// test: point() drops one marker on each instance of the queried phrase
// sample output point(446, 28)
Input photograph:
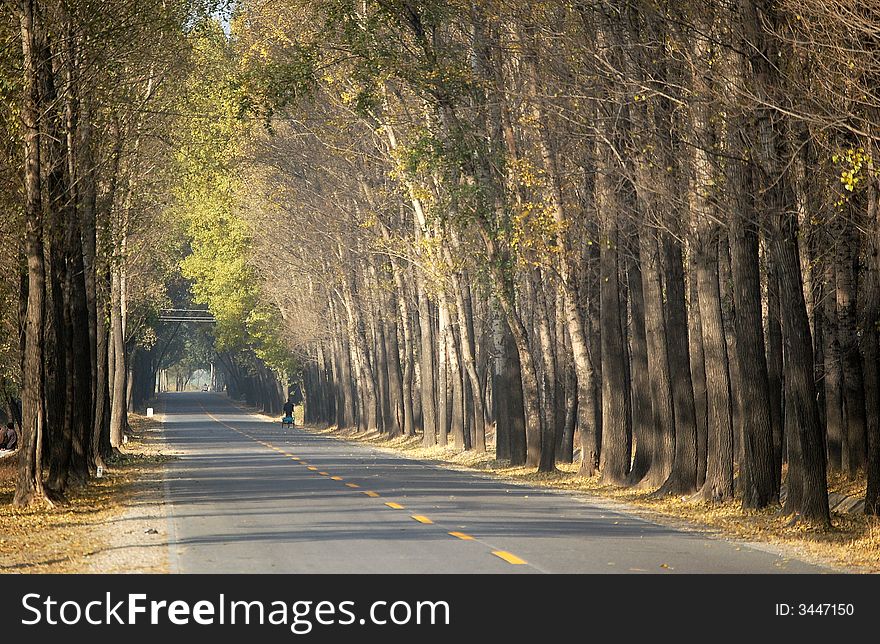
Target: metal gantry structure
point(196, 316)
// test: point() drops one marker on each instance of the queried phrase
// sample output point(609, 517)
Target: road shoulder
point(137, 539)
point(113, 524)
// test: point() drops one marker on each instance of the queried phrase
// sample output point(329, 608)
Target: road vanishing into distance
point(246, 496)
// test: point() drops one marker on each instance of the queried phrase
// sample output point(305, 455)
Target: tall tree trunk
point(358, 338)
point(854, 388)
point(88, 191)
point(81, 401)
point(102, 423)
point(528, 370)
point(871, 357)
point(454, 382)
point(808, 497)
point(565, 445)
point(775, 364)
point(351, 403)
point(759, 482)
point(101, 431)
point(718, 485)
point(547, 461)
point(59, 385)
point(507, 396)
point(468, 356)
point(379, 359)
point(832, 381)
point(709, 357)
point(397, 424)
point(409, 351)
point(728, 314)
point(426, 365)
point(348, 409)
point(616, 443)
point(443, 382)
point(871, 351)
point(58, 381)
point(29, 481)
point(587, 421)
point(642, 417)
point(683, 477)
point(698, 367)
point(118, 405)
point(807, 487)
point(662, 419)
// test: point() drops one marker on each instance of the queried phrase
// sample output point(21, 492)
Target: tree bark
point(118, 406)
point(642, 417)
point(775, 364)
point(507, 396)
point(59, 383)
point(616, 443)
point(29, 481)
point(870, 346)
point(662, 419)
point(547, 460)
point(426, 366)
point(468, 356)
point(718, 485)
point(853, 381)
point(683, 477)
point(698, 367)
point(443, 381)
point(832, 381)
point(396, 424)
point(528, 370)
point(405, 320)
point(807, 498)
point(807, 486)
point(357, 335)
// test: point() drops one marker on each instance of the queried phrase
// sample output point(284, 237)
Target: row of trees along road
point(76, 161)
point(640, 232)
point(94, 96)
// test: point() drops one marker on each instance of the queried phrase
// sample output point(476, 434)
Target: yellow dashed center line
point(508, 557)
point(501, 554)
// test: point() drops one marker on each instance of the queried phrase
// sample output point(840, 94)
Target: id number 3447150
point(844, 610)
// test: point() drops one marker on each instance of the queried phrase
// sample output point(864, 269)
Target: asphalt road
point(247, 496)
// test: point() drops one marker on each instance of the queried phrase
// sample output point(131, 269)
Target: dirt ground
point(114, 524)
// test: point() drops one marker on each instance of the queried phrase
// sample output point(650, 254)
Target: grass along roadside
point(68, 538)
point(853, 542)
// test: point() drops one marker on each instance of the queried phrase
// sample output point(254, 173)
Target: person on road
point(288, 410)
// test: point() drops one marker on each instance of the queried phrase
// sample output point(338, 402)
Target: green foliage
point(218, 262)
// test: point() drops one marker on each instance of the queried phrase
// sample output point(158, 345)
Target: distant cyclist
point(288, 412)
